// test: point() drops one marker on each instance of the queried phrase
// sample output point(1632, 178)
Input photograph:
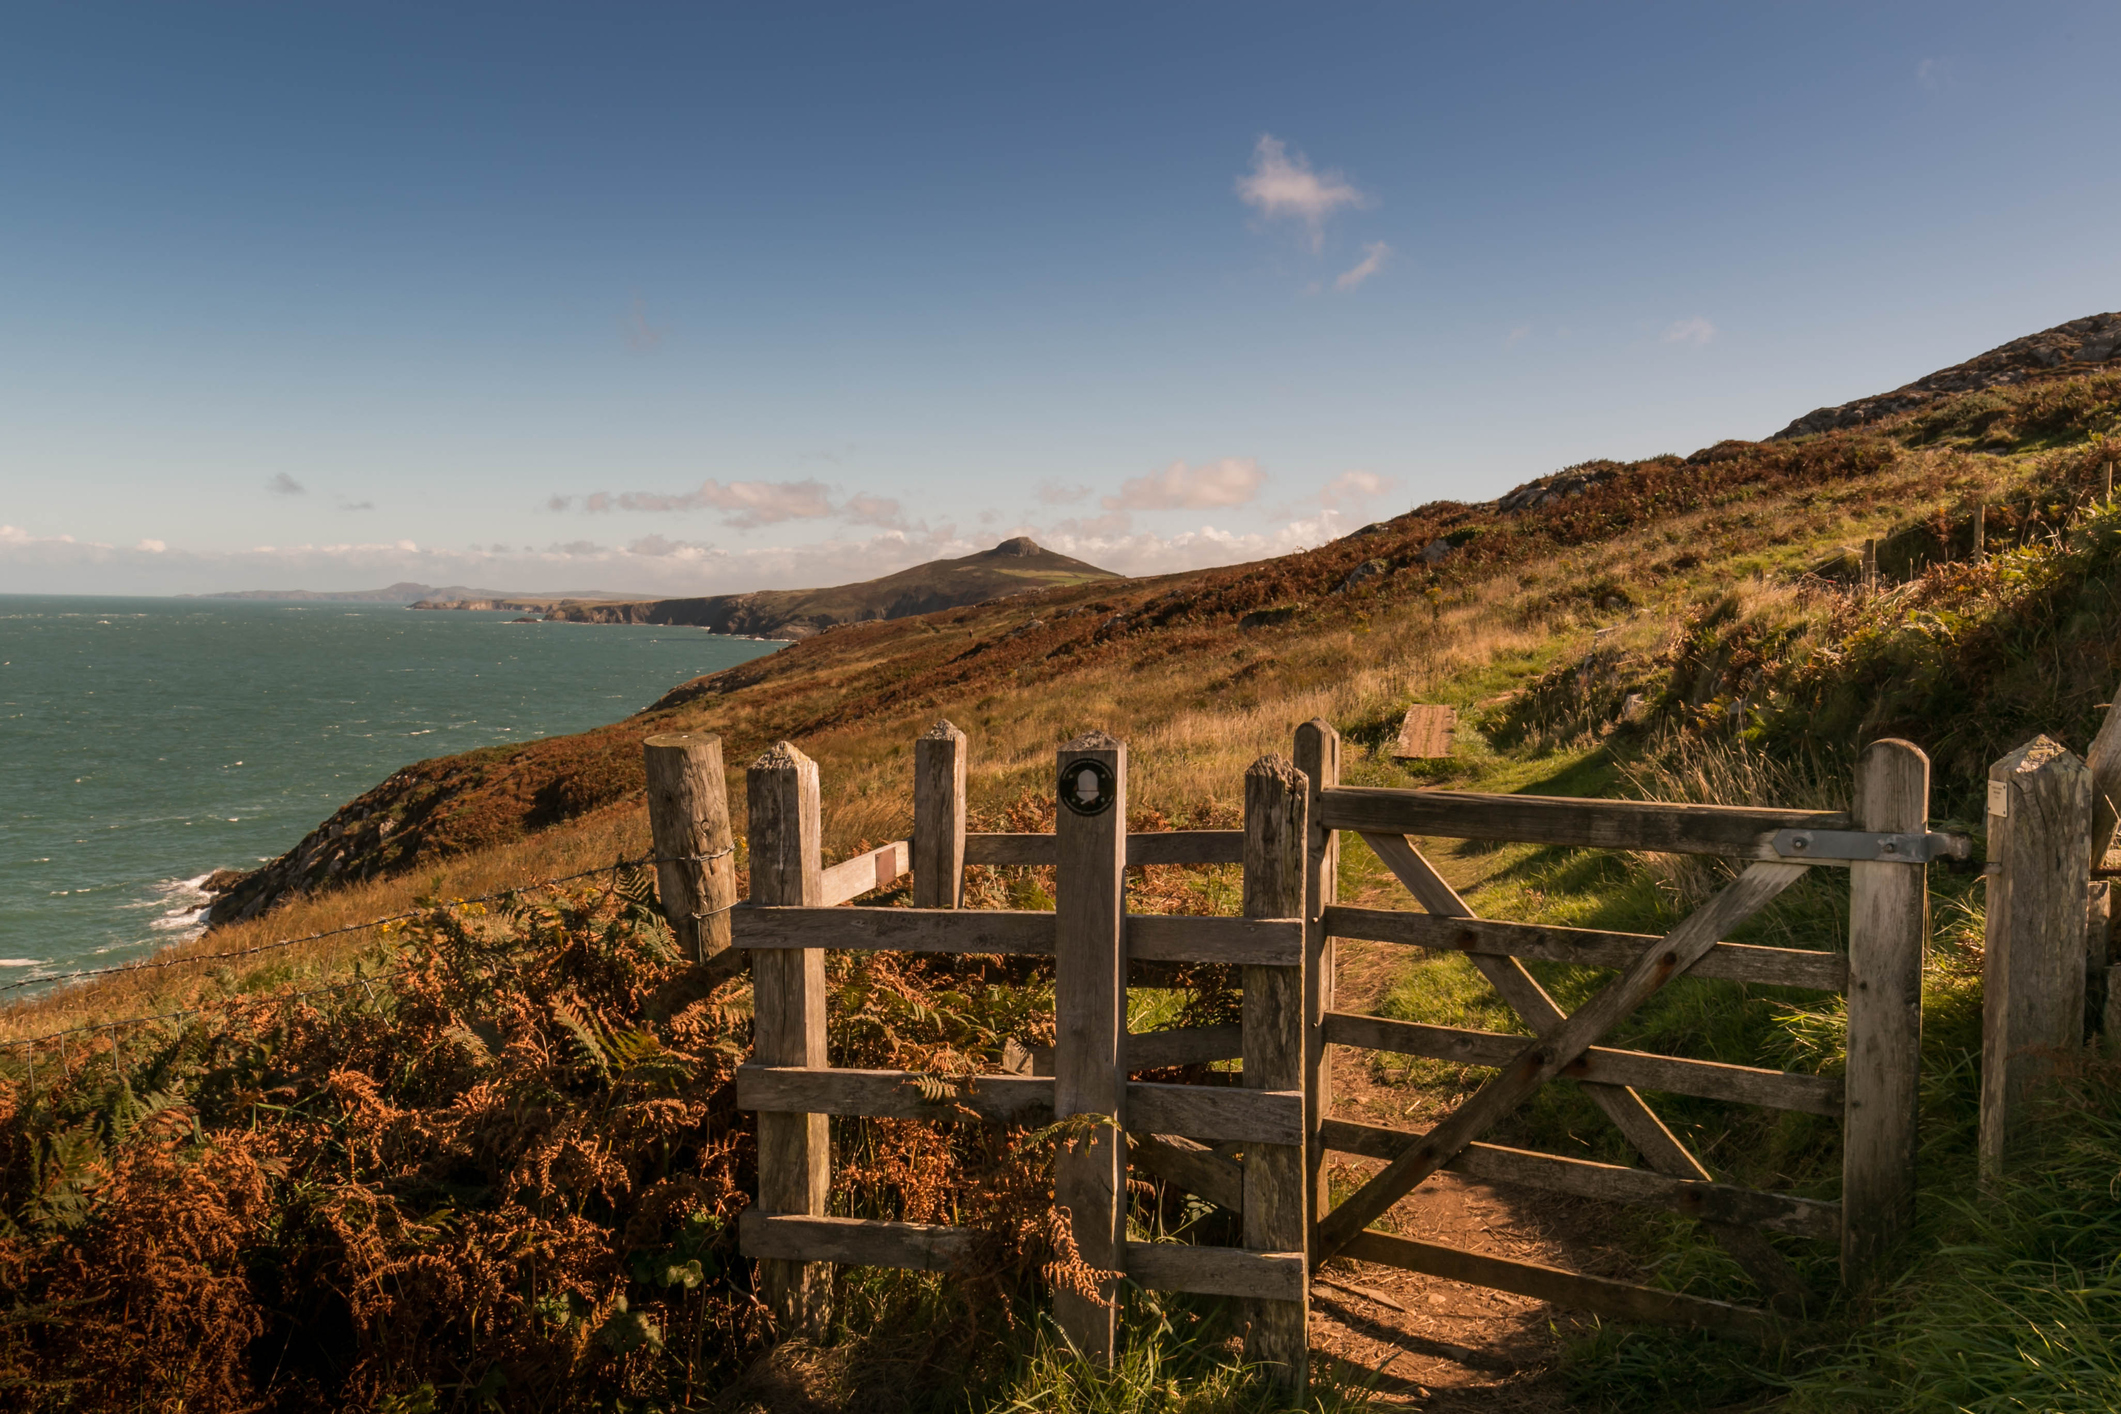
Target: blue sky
point(681, 299)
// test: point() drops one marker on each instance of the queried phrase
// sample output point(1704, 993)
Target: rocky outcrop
point(2065, 349)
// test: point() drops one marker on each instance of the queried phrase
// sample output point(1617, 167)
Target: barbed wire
point(155, 964)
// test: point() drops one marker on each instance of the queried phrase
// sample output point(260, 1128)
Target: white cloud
point(284, 485)
point(1138, 554)
point(1354, 487)
point(357, 505)
point(152, 547)
point(1934, 74)
point(1373, 260)
point(1232, 481)
point(747, 505)
point(1689, 331)
point(1280, 185)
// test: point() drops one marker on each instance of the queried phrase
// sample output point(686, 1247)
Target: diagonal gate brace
point(1544, 1058)
point(1629, 1112)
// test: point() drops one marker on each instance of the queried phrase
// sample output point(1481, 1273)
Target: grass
point(1687, 585)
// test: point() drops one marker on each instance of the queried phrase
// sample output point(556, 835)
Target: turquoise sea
point(145, 743)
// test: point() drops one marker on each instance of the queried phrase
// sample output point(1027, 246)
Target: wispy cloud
point(284, 485)
point(1934, 73)
point(1689, 331)
point(1284, 186)
point(357, 505)
point(1231, 481)
point(1057, 493)
point(1373, 260)
point(641, 336)
point(1354, 488)
point(748, 505)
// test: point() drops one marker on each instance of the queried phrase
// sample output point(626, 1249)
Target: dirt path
point(1435, 1344)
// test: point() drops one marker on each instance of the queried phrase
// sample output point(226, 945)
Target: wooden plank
point(1217, 1112)
point(2039, 848)
point(1318, 757)
point(1186, 847)
point(1630, 1114)
point(1090, 1016)
point(1543, 1058)
point(1741, 832)
point(1007, 850)
point(788, 1024)
point(1272, 1277)
point(937, 930)
point(893, 1094)
point(1888, 931)
point(1276, 1214)
point(1425, 733)
point(857, 1242)
point(867, 872)
point(1614, 1183)
point(1585, 947)
point(1190, 1166)
point(938, 863)
point(1154, 847)
point(1642, 1070)
point(1193, 937)
point(1182, 1045)
point(1618, 1299)
point(688, 818)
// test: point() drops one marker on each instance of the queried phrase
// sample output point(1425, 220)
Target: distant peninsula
point(1009, 568)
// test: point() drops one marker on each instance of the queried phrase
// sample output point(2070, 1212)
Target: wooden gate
point(1885, 845)
point(794, 915)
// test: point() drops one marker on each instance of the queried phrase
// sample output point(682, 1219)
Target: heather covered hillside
point(490, 1156)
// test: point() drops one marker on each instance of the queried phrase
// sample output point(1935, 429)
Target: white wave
point(21, 962)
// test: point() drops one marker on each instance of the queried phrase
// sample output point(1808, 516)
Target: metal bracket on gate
point(1869, 847)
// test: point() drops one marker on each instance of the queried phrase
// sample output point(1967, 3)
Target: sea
point(145, 743)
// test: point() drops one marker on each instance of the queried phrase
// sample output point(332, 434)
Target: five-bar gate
point(1281, 1122)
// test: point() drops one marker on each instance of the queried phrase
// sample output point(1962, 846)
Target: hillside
point(494, 1163)
point(1012, 567)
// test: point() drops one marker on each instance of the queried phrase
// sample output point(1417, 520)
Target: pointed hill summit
point(1011, 567)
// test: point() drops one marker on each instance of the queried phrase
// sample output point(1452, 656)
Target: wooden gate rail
point(1881, 976)
point(793, 919)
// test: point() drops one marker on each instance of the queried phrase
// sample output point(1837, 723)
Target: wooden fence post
point(1276, 1217)
point(1870, 566)
point(2104, 761)
point(1980, 532)
point(939, 817)
point(1318, 757)
point(1090, 1017)
point(688, 818)
point(2032, 978)
point(788, 1023)
point(1888, 927)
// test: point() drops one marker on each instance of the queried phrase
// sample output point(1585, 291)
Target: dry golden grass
point(1191, 736)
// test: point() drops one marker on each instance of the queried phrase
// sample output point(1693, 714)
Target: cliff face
point(1011, 567)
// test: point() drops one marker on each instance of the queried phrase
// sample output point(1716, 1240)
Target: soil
point(1420, 1341)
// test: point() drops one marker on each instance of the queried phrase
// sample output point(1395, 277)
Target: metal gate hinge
point(1869, 847)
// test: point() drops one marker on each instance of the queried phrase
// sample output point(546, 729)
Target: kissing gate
point(1260, 1150)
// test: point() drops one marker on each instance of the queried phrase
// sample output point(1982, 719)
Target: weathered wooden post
point(1888, 928)
point(1090, 1017)
point(939, 817)
point(1276, 1217)
point(1870, 566)
point(1318, 757)
point(1980, 532)
point(688, 818)
point(2104, 762)
point(2032, 977)
point(788, 1023)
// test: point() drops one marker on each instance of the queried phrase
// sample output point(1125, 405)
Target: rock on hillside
point(1011, 567)
point(2069, 348)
